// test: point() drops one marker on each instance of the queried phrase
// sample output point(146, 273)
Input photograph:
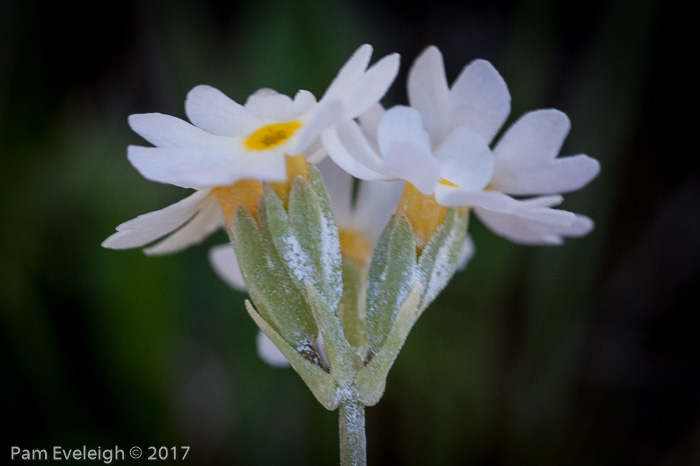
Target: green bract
point(339, 324)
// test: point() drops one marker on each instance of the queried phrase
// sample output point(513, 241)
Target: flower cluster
point(340, 271)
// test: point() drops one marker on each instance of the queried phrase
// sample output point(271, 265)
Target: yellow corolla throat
point(248, 192)
point(270, 136)
point(296, 165)
point(423, 211)
point(245, 192)
point(355, 245)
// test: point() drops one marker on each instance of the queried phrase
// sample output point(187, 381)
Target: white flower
point(228, 142)
point(441, 146)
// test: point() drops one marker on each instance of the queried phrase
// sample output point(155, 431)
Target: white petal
point(465, 159)
point(492, 200)
point(466, 253)
point(428, 92)
point(405, 160)
point(535, 209)
point(369, 121)
point(371, 87)
point(322, 117)
point(348, 148)
point(269, 166)
point(404, 125)
point(561, 175)
point(268, 105)
point(516, 229)
point(213, 111)
point(540, 201)
point(223, 259)
point(405, 146)
point(340, 186)
point(532, 141)
point(149, 227)
point(168, 131)
point(375, 204)
point(269, 353)
point(206, 221)
point(581, 226)
point(545, 215)
point(349, 73)
point(303, 102)
point(315, 152)
point(528, 231)
point(205, 168)
point(480, 99)
point(358, 146)
point(176, 165)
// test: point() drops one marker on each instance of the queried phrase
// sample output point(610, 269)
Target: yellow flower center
point(449, 183)
point(354, 245)
point(423, 211)
point(270, 136)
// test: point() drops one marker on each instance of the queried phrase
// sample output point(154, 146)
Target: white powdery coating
point(409, 277)
point(343, 395)
point(305, 348)
point(443, 268)
point(330, 256)
point(296, 259)
point(352, 428)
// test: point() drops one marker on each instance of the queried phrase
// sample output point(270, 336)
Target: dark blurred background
point(584, 354)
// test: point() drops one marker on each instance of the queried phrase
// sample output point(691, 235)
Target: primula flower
point(230, 148)
point(440, 145)
point(228, 142)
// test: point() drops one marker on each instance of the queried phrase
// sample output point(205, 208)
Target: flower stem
point(353, 443)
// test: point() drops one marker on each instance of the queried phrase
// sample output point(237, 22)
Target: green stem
point(353, 443)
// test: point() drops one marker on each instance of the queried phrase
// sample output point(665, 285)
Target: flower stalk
point(353, 441)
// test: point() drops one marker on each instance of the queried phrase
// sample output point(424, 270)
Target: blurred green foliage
point(575, 355)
